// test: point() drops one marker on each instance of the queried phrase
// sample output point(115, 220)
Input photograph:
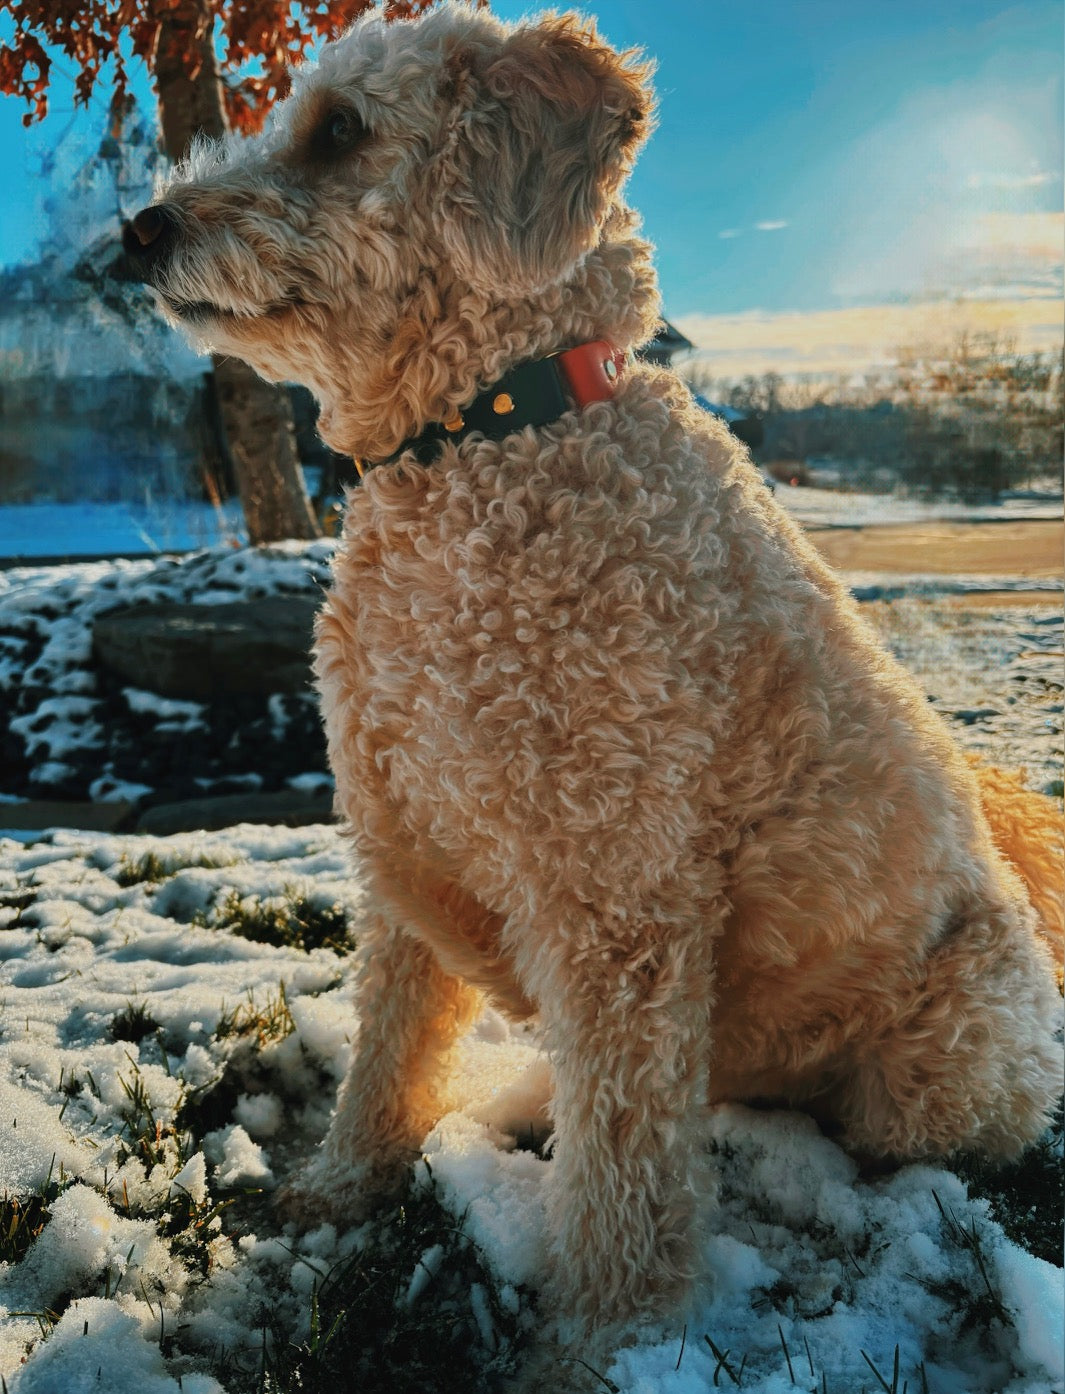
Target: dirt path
point(1013, 548)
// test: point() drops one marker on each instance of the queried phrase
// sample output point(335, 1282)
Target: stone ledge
point(203, 652)
point(36, 815)
point(283, 807)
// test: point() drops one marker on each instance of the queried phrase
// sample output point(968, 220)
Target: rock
point(291, 808)
point(200, 652)
point(972, 715)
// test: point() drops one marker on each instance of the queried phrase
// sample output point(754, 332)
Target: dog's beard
point(258, 337)
point(203, 315)
point(196, 313)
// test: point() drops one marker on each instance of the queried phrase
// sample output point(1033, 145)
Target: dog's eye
point(339, 131)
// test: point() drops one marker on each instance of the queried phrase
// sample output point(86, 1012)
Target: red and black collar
point(532, 394)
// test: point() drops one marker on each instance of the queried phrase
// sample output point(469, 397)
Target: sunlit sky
point(815, 161)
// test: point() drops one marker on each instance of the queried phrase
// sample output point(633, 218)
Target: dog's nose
point(145, 227)
point(148, 237)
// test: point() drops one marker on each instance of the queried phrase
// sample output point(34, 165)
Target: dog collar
point(531, 394)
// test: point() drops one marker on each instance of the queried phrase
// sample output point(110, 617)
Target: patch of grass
point(250, 1026)
point(18, 900)
point(733, 1370)
point(151, 868)
point(978, 1298)
point(132, 1023)
point(191, 1228)
point(722, 1358)
point(291, 920)
point(269, 1023)
point(22, 1218)
point(414, 1309)
point(21, 1221)
point(153, 1140)
point(211, 1106)
point(1027, 1196)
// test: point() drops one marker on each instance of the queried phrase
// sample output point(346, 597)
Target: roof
point(668, 341)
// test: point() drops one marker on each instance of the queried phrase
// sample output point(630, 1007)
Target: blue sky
point(812, 156)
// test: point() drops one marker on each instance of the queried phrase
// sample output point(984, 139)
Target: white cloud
point(767, 225)
point(1009, 181)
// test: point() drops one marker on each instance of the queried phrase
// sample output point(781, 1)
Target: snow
point(34, 1144)
point(94, 1336)
point(192, 1178)
point(108, 789)
point(800, 1245)
point(260, 1115)
point(802, 1252)
point(57, 726)
point(183, 716)
point(1032, 1290)
point(500, 1194)
point(425, 1271)
point(237, 1160)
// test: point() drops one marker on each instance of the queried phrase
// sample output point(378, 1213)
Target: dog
point(612, 744)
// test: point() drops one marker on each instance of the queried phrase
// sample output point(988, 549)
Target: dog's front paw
point(342, 1193)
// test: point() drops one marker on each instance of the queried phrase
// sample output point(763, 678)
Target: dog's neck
point(447, 348)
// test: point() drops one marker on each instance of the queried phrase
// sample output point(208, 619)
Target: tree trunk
point(256, 415)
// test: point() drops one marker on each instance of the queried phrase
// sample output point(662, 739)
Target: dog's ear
point(552, 121)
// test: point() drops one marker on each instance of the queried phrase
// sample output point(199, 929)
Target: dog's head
point(436, 200)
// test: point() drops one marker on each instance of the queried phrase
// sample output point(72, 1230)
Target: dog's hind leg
point(630, 1043)
point(410, 1013)
point(970, 1060)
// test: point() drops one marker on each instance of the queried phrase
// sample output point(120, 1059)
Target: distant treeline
point(972, 422)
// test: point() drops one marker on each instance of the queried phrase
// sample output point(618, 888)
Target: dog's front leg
point(410, 1012)
point(630, 1045)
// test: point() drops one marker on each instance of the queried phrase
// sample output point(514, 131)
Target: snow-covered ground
point(802, 1253)
point(157, 1063)
point(73, 735)
point(833, 507)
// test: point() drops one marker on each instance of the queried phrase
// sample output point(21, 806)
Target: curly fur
point(612, 743)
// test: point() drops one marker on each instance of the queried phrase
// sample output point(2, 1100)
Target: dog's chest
point(521, 667)
point(483, 645)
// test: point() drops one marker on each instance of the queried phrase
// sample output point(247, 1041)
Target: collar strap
point(531, 394)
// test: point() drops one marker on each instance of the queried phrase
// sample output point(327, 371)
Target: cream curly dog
point(613, 745)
